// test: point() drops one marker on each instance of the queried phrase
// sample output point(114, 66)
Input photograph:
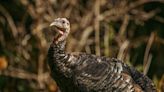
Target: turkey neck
point(57, 54)
point(58, 48)
point(59, 43)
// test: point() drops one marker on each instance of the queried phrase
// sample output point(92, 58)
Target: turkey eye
point(63, 22)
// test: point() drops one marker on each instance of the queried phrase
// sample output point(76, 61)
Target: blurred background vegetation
point(130, 30)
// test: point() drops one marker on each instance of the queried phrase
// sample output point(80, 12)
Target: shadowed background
point(132, 31)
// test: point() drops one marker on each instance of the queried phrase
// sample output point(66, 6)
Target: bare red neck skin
point(60, 38)
point(56, 39)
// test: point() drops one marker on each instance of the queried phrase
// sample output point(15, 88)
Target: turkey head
point(62, 26)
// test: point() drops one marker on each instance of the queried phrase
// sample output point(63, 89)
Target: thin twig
point(10, 21)
point(124, 25)
point(146, 55)
point(84, 38)
point(97, 27)
point(18, 73)
point(146, 69)
point(121, 53)
point(106, 41)
point(111, 14)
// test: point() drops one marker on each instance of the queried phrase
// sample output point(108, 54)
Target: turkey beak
point(54, 26)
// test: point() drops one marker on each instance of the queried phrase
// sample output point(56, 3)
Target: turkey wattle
point(90, 73)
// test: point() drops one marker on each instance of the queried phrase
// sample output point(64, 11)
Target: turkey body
point(90, 73)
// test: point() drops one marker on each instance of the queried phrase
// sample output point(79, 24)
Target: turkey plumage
point(83, 72)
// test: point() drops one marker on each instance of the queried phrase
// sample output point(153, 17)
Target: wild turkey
point(90, 73)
